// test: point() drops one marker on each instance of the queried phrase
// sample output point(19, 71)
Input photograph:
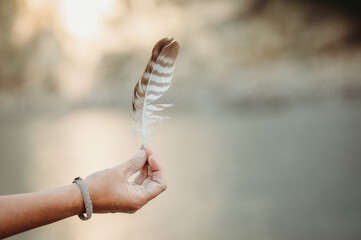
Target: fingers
point(149, 151)
point(158, 183)
point(136, 163)
point(142, 175)
point(156, 169)
point(149, 175)
point(145, 172)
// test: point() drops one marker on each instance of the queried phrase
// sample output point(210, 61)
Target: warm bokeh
point(265, 137)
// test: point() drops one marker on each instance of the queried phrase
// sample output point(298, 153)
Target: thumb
point(134, 164)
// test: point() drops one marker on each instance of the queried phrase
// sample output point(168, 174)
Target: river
point(293, 173)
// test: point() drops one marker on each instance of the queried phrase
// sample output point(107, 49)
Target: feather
point(154, 82)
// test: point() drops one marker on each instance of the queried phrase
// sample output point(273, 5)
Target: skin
point(110, 192)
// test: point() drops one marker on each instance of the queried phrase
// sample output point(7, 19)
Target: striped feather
point(155, 80)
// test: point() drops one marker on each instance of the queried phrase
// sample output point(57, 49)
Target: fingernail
point(141, 154)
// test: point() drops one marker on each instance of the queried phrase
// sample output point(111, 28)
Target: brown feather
point(166, 47)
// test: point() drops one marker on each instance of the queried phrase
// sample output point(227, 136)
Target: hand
point(110, 190)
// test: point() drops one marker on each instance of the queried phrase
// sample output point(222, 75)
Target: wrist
point(75, 200)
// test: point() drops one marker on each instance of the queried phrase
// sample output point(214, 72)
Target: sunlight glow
point(83, 18)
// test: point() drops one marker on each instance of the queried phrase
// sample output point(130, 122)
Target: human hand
point(110, 190)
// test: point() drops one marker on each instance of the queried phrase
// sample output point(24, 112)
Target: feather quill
point(154, 82)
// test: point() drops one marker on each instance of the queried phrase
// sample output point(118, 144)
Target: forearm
point(22, 212)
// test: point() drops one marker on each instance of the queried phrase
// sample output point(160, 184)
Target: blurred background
point(264, 140)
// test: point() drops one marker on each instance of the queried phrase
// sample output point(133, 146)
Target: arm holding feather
point(109, 190)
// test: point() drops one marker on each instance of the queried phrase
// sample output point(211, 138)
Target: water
point(291, 174)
